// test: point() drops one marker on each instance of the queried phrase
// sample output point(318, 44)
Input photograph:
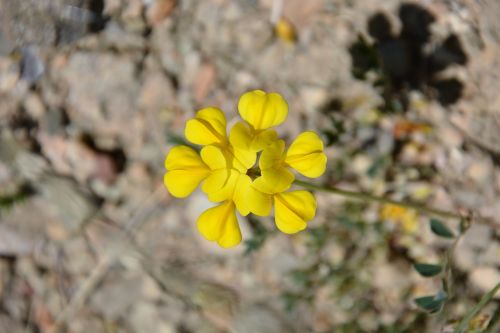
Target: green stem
point(369, 197)
point(486, 298)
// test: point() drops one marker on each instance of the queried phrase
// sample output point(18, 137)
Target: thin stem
point(486, 298)
point(374, 198)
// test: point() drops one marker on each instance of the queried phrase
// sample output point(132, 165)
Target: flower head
point(230, 174)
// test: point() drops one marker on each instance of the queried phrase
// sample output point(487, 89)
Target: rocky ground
point(93, 94)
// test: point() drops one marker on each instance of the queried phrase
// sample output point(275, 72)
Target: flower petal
point(215, 158)
point(272, 156)
point(293, 210)
point(181, 183)
point(259, 203)
point(243, 159)
point(274, 180)
point(243, 185)
point(183, 158)
point(208, 127)
point(185, 171)
point(220, 184)
point(245, 137)
point(262, 110)
point(306, 155)
point(220, 224)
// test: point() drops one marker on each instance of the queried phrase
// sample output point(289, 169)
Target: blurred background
point(94, 93)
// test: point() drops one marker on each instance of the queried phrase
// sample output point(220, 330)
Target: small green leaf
point(441, 229)
point(428, 270)
point(431, 303)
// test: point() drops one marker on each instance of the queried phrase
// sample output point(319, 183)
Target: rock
point(24, 227)
point(105, 107)
point(70, 202)
point(159, 10)
point(478, 236)
point(9, 325)
point(259, 318)
point(113, 94)
point(145, 317)
point(86, 323)
point(485, 278)
point(116, 296)
point(9, 74)
point(156, 92)
point(34, 106)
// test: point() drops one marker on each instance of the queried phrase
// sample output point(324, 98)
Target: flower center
point(253, 172)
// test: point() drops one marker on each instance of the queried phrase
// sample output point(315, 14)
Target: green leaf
point(441, 229)
point(428, 270)
point(431, 303)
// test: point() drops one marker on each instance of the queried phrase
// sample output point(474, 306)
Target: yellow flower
point(408, 218)
point(261, 111)
point(285, 30)
point(305, 155)
point(227, 167)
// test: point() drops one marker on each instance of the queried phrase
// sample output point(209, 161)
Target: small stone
point(156, 93)
point(116, 295)
point(485, 278)
point(145, 317)
point(9, 74)
point(480, 171)
point(478, 236)
point(159, 11)
point(314, 98)
point(34, 106)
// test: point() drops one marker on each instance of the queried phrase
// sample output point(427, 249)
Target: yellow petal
point(228, 157)
point(293, 209)
point(259, 203)
point(183, 158)
point(240, 196)
point(185, 171)
point(215, 158)
point(220, 224)
point(274, 180)
point(208, 127)
point(272, 156)
point(306, 155)
point(262, 110)
point(181, 183)
point(285, 30)
point(243, 159)
point(220, 184)
point(245, 137)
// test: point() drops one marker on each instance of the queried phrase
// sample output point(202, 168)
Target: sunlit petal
point(259, 203)
point(208, 127)
point(220, 224)
point(181, 183)
point(185, 171)
point(293, 209)
point(262, 110)
point(240, 197)
point(215, 157)
point(220, 184)
point(245, 137)
point(273, 155)
point(243, 159)
point(306, 155)
point(183, 157)
point(274, 180)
